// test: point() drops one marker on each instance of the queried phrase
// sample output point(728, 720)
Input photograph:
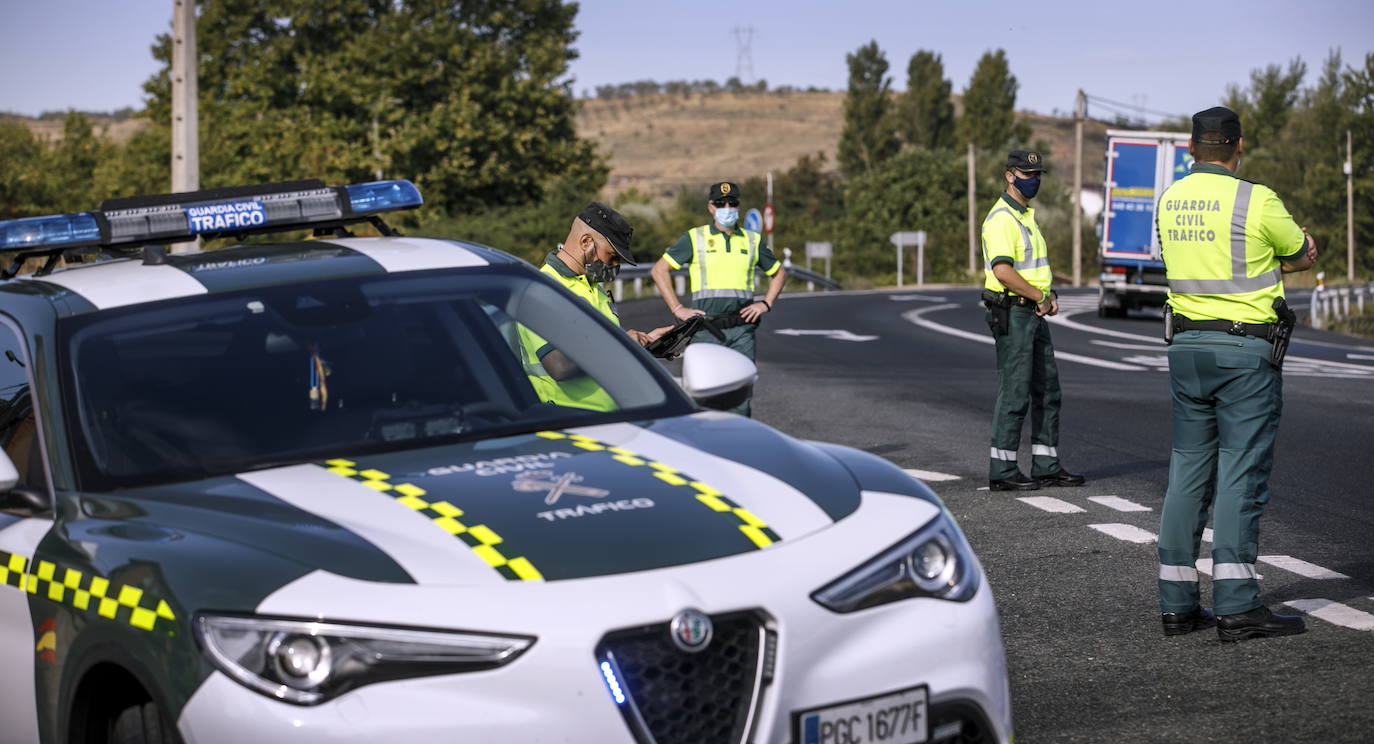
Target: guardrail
point(636, 280)
point(1336, 303)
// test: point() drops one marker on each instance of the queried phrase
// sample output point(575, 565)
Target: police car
point(305, 491)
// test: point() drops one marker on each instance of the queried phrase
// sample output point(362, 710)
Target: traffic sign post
point(753, 221)
point(768, 218)
point(819, 249)
point(903, 239)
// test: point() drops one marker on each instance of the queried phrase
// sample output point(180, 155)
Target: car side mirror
point(9, 475)
point(716, 376)
point(20, 500)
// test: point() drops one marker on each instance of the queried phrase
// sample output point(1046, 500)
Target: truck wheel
point(141, 723)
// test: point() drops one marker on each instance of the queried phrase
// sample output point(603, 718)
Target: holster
point(999, 309)
point(1283, 331)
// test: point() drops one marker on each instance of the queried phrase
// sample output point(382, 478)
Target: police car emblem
point(555, 486)
point(691, 630)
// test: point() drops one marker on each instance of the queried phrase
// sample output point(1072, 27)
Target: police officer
point(722, 258)
point(1225, 243)
point(1017, 293)
point(597, 243)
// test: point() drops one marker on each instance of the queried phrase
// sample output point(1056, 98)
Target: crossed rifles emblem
point(544, 480)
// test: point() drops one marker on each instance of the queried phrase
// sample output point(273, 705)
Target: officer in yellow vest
point(1017, 294)
point(722, 259)
point(1225, 244)
point(597, 243)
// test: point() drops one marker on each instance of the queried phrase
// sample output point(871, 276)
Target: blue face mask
point(727, 216)
point(1027, 186)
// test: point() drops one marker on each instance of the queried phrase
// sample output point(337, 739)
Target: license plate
point(900, 717)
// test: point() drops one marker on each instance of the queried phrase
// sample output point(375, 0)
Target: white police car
point(306, 491)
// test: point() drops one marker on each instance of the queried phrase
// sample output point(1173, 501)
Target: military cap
point(612, 226)
point(1216, 126)
point(1025, 160)
point(723, 190)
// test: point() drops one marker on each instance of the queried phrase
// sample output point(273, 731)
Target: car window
point(18, 427)
point(234, 381)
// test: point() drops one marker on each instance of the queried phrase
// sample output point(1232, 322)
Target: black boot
point(1258, 623)
point(1018, 482)
point(1178, 623)
point(1061, 477)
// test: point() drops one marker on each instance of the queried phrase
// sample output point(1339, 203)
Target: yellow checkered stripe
point(88, 592)
point(752, 527)
point(482, 539)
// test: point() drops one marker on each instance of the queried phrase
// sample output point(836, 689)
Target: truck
point(1140, 165)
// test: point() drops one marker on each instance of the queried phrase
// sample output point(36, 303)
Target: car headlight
point(307, 662)
point(936, 562)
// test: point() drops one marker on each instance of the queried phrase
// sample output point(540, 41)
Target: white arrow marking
point(838, 335)
point(914, 316)
point(915, 298)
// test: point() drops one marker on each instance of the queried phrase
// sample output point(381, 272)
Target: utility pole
point(972, 216)
point(1349, 210)
point(185, 121)
point(1079, 110)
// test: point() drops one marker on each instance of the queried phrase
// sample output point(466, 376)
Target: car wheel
point(141, 723)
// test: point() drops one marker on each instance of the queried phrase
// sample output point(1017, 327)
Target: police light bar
point(236, 211)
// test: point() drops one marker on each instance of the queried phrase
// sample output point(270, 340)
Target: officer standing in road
point(1017, 294)
point(1225, 244)
point(722, 258)
point(597, 243)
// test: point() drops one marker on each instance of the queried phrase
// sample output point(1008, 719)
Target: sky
point(94, 55)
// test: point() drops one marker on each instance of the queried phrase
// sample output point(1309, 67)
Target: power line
point(1123, 107)
point(744, 54)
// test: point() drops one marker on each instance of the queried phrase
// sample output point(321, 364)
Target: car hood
point(561, 504)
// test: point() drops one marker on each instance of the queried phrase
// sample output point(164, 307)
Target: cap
point(723, 190)
point(612, 226)
point(1026, 160)
point(1216, 126)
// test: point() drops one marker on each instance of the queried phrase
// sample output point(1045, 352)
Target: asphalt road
point(914, 381)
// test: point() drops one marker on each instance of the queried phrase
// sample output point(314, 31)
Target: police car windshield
point(234, 381)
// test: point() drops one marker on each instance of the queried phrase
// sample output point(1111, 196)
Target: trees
point(989, 118)
point(868, 137)
point(925, 113)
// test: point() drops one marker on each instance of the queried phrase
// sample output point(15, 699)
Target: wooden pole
point(972, 218)
point(1079, 107)
point(1349, 210)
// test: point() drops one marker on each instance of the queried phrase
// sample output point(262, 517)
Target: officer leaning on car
point(1017, 294)
point(722, 258)
point(597, 243)
point(1226, 243)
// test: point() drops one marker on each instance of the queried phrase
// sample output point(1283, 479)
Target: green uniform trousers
point(1226, 399)
point(741, 339)
point(1028, 381)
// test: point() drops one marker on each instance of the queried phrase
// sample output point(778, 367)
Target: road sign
point(768, 218)
point(753, 220)
point(815, 249)
point(917, 238)
point(902, 240)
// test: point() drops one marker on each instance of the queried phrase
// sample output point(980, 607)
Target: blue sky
point(94, 54)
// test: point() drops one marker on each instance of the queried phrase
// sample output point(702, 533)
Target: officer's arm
point(1011, 279)
point(664, 281)
point(559, 366)
point(775, 284)
point(1293, 247)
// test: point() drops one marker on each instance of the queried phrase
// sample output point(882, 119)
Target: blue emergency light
point(238, 211)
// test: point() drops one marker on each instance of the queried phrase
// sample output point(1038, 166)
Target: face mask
point(1027, 186)
point(727, 216)
point(599, 271)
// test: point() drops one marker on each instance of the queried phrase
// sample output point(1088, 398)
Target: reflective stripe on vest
point(724, 273)
point(1026, 263)
point(1239, 283)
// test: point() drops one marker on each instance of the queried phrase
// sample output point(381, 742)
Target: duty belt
point(1233, 327)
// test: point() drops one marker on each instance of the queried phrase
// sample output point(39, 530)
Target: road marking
point(1118, 503)
point(838, 335)
point(1301, 567)
point(984, 488)
point(1334, 613)
point(1204, 565)
point(1359, 356)
point(1207, 534)
point(1117, 345)
point(1051, 504)
point(930, 475)
point(1129, 533)
point(914, 316)
point(915, 298)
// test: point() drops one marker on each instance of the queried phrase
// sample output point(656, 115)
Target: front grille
point(678, 697)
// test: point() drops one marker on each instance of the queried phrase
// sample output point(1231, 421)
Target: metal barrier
point(1336, 303)
point(637, 279)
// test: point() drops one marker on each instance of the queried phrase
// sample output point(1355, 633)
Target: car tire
point(141, 723)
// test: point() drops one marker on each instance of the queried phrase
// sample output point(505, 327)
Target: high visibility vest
point(720, 271)
point(575, 392)
point(1007, 232)
point(1219, 237)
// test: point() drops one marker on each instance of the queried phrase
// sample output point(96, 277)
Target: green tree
point(912, 191)
point(469, 99)
point(925, 113)
point(24, 187)
point(989, 118)
point(868, 137)
point(1357, 98)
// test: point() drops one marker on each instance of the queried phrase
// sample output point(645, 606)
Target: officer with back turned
point(1018, 297)
point(1226, 243)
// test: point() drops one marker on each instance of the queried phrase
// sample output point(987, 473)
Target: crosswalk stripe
point(1051, 504)
point(930, 475)
point(1301, 567)
point(1204, 565)
point(1207, 534)
point(1129, 533)
point(1334, 613)
point(1118, 503)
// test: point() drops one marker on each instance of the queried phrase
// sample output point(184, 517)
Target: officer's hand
point(753, 311)
point(657, 333)
point(1311, 245)
point(1054, 305)
point(682, 312)
point(641, 338)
